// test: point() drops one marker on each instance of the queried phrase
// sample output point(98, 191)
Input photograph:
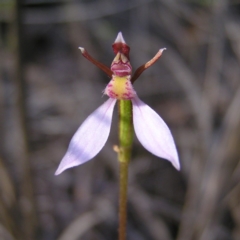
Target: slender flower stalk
point(150, 129)
point(124, 156)
point(122, 212)
point(125, 130)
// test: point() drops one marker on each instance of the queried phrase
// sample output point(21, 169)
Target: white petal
point(120, 38)
point(89, 138)
point(153, 133)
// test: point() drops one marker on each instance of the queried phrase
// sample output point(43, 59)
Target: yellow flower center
point(120, 88)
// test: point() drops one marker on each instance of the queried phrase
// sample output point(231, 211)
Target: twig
point(26, 187)
point(103, 211)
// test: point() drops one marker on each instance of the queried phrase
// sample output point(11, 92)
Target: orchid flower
point(151, 131)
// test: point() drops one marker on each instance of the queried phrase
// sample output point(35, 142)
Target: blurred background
point(47, 89)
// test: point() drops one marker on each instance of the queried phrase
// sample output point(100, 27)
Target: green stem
point(123, 200)
point(124, 155)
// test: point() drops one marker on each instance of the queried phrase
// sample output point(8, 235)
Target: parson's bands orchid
point(150, 129)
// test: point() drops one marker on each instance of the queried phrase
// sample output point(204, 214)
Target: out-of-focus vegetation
point(47, 89)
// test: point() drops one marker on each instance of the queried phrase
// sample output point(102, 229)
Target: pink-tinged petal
point(153, 133)
point(89, 138)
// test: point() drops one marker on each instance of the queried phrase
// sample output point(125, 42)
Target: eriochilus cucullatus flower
point(151, 131)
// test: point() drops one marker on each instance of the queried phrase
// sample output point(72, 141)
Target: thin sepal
point(145, 66)
point(120, 46)
point(103, 67)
